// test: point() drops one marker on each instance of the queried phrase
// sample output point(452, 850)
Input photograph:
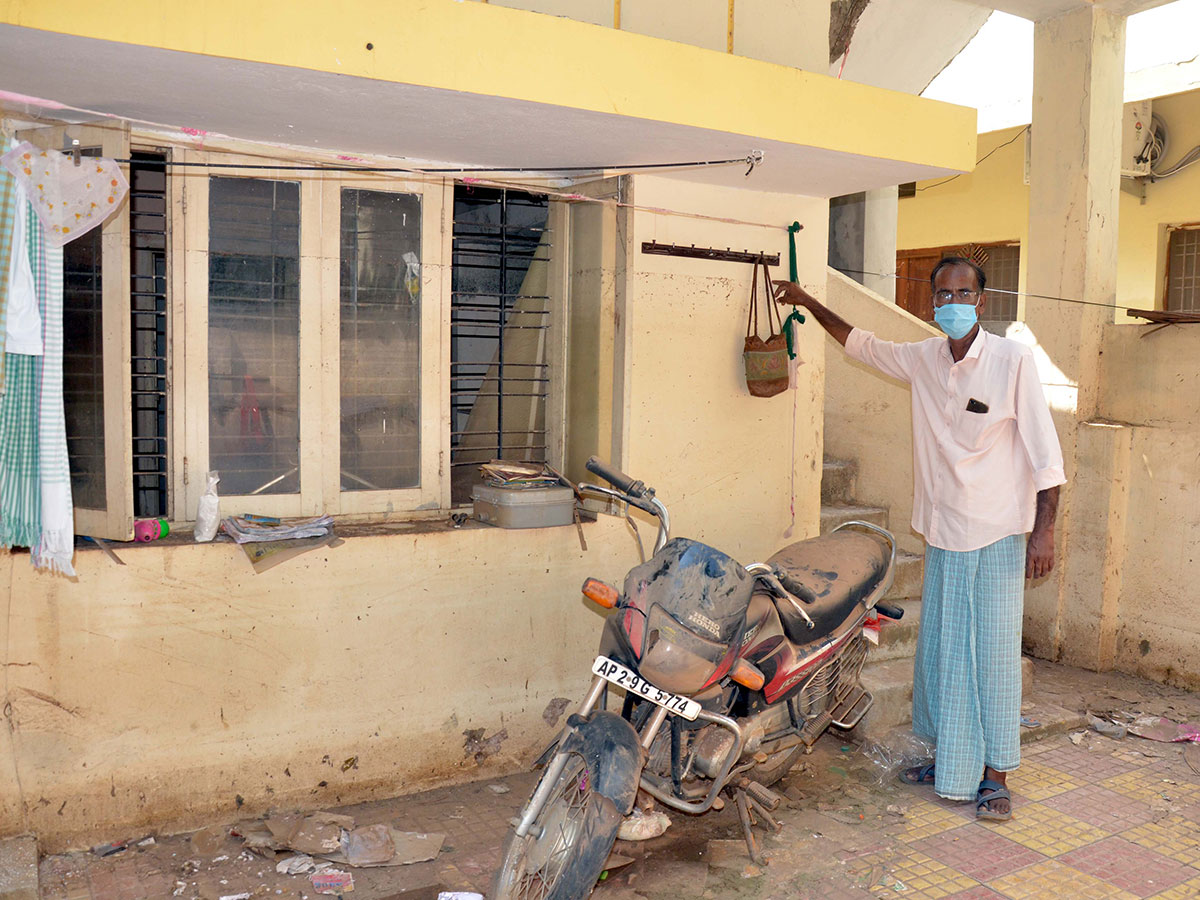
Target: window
point(313, 358)
point(500, 320)
point(328, 342)
point(1001, 263)
point(1182, 281)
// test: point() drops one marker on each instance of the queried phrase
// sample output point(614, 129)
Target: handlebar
point(615, 477)
point(631, 491)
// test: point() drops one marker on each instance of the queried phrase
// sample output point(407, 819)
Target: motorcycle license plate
point(638, 686)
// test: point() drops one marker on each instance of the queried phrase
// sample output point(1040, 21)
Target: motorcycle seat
point(835, 574)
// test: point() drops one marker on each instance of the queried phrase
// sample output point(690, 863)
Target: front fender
point(613, 754)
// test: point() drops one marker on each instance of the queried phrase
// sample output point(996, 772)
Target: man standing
point(986, 470)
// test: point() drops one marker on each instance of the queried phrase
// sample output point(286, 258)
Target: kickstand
point(747, 820)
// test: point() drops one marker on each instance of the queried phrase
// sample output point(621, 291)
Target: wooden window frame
point(1166, 277)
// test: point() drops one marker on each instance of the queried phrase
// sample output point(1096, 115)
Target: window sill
point(182, 535)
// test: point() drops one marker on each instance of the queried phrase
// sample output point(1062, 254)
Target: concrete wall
point(1150, 430)
point(728, 460)
point(868, 416)
point(162, 692)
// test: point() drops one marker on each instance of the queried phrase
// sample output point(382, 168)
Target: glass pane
point(1003, 270)
point(83, 369)
point(254, 335)
point(1183, 281)
point(380, 338)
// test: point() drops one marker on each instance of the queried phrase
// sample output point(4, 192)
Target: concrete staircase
point(888, 672)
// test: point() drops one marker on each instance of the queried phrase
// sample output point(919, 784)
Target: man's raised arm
point(790, 292)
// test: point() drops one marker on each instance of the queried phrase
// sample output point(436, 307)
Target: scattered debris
point(642, 826)
point(299, 864)
point(476, 745)
point(331, 881)
point(245, 895)
point(147, 841)
point(1027, 722)
point(1107, 727)
point(459, 895)
point(110, 848)
point(1077, 737)
point(1160, 728)
point(208, 841)
point(554, 710)
point(499, 788)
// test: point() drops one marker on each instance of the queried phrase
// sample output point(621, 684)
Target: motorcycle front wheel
point(564, 851)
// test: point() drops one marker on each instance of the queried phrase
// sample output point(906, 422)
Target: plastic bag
point(208, 513)
point(642, 826)
point(897, 750)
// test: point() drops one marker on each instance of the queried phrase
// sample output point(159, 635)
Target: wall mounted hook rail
point(694, 252)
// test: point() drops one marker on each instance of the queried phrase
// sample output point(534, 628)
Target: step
point(837, 480)
point(898, 639)
point(19, 868)
point(909, 577)
point(833, 515)
point(890, 682)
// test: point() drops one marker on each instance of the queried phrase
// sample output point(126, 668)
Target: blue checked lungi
point(967, 677)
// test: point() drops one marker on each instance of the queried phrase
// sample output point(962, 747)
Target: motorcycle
point(728, 672)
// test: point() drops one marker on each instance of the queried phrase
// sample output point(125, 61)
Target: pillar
point(1072, 253)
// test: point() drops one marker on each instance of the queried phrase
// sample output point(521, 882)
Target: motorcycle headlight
point(676, 658)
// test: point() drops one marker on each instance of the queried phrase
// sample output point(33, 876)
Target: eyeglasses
point(962, 295)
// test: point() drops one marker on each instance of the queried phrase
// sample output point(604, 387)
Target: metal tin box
point(539, 507)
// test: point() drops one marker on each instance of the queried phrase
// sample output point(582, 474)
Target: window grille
point(148, 309)
point(499, 328)
point(1003, 271)
point(1183, 270)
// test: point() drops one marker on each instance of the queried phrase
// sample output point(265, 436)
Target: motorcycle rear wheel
point(564, 852)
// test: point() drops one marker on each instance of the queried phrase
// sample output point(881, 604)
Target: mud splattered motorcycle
point(728, 674)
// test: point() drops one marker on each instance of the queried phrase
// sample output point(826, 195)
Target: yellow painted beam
point(491, 50)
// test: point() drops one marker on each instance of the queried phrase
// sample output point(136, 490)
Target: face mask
point(956, 319)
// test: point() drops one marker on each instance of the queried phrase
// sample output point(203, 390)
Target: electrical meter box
point(1136, 133)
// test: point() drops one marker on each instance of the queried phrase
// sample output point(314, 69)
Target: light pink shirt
point(975, 475)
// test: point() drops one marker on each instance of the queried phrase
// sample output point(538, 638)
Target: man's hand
point(790, 292)
point(1039, 553)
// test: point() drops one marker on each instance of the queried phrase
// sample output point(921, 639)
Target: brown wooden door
point(913, 268)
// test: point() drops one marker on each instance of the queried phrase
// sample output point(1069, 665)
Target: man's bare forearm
point(1047, 509)
point(790, 292)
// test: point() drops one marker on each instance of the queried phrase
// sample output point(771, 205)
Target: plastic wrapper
point(896, 751)
point(208, 513)
point(642, 826)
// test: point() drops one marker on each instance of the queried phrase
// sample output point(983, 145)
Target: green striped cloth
point(20, 493)
point(8, 207)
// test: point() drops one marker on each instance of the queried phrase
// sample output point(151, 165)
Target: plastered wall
point(868, 416)
point(992, 204)
point(1151, 422)
point(163, 692)
point(728, 463)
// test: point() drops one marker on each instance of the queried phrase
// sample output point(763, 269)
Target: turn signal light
point(598, 592)
point(747, 674)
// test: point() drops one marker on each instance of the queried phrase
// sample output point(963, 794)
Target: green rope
point(793, 275)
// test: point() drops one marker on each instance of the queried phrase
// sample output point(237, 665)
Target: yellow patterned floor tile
point(1047, 830)
point(925, 818)
point(1053, 879)
point(1037, 782)
point(1189, 890)
point(1147, 786)
point(925, 878)
point(1172, 836)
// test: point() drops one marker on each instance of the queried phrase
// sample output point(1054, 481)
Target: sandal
point(997, 792)
point(918, 775)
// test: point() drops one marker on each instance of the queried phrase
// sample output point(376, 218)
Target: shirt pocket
point(978, 431)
